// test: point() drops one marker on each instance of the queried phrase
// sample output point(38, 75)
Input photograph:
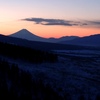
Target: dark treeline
point(28, 54)
point(16, 84)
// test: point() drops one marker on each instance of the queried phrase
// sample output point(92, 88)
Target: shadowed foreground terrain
point(16, 84)
point(40, 75)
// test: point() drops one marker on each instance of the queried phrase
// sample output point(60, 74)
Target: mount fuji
point(25, 34)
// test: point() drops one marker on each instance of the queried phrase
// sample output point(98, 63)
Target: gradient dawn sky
point(50, 18)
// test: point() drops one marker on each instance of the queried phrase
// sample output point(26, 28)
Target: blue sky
point(77, 8)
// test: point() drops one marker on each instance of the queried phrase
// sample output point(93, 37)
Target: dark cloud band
point(49, 21)
point(62, 22)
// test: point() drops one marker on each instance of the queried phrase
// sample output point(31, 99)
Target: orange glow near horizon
point(46, 31)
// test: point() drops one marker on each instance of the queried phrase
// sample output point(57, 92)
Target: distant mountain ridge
point(92, 40)
point(64, 38)
point(45, 46)
point(25, 34)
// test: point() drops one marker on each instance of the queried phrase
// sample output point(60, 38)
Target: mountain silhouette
point(25, 34)
point(40, 45)
point(92, 40)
